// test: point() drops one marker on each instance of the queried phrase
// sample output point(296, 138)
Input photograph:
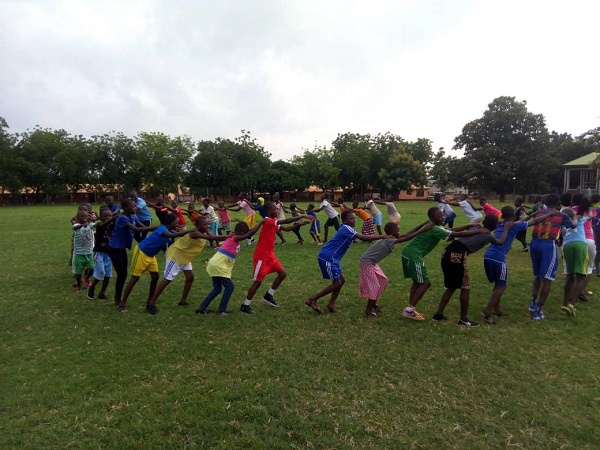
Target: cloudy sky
point(295, 73)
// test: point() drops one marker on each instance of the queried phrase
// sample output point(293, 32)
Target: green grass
point(76, 373)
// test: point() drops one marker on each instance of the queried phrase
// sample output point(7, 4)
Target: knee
point(282, 274)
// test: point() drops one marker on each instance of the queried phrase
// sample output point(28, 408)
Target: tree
point(505, 150)
point(283, 176)
point(443, 170)
point(12, 164)
point(317, 169)
point(352, 156)
point(402, 172)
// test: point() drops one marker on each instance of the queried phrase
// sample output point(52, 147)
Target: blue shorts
point(377, 219)
point(214, 228)
point(544, 258)
point(102, 266)
point(331, 270)
point(496, 271)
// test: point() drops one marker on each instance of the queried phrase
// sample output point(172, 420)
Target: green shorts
point(576, 257)
point(80, 261)
point(414, 268)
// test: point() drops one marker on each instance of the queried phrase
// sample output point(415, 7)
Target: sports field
point(78, 373)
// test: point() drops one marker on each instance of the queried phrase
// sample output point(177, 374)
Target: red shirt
point(266, 240)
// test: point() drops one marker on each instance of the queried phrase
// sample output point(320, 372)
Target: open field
point(77, 373)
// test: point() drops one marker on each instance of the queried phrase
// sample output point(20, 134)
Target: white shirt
point(372, 207)
point(471, 214)
point(329, 210)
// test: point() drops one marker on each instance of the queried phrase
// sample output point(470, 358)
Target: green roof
point(583, 161)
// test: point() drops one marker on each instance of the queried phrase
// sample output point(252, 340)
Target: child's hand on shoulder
point(427, 226)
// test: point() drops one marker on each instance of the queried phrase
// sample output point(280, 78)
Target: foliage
point(443, 170)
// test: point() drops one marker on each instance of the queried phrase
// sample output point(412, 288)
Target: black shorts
point(334, 222)
point(454, 266)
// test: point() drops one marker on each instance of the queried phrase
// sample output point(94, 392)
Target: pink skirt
point(368, 229)
point(372, 281)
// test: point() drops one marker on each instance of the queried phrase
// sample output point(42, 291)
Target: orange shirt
point(362, 214)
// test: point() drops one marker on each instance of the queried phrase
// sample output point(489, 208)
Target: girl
point(220, 267)
point(296, 213)
point(315, 226)
point(583, 208)
point(368, 229)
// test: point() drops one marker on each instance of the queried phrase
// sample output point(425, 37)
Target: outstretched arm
point(176, 234)
point(376, 237)
point(195, 234)
point(466, 227)
point(293, 227)
point(502, 240)
point(294, 219)
point(249, 233)
point(418, 227)
point(414, 233)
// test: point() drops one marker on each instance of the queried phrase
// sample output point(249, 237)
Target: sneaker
point(90, 293)
point(525, 249)
point(532, 307)
point(439, 317)
point(467, 323)
point(151, 309)
point(202, 311)
point(246, 309)
point(582, 298)
point(224, 313)
point(573, 310)
point(122, 308)
point(411, 313)
point(183, 304)
point(588, 293)
point(102, 297)
point(268, 298)
point(538, 315)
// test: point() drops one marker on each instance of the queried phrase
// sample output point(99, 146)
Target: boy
point(544, 258)
point(576, 260)
point(265, 261)
point(102, 263)
point(179, 258)
point(332, 215)
point(520, 215)
point(487, 208)
point(143, 215)
point(470, 211)
point(144, 257)
point(413, 265)
point(114, 209)
point(329, 260)
point(372, 281)
point(83, 248)
point(315, 226)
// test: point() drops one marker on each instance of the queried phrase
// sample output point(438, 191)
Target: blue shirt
point(122, 235)
point(261, 210)
point(337, 247)
point(499, 252)
point(574, 234)
point(143, 213)
point(155, 242)
point(114, 208)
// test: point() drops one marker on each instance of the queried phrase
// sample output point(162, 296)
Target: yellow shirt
point(184, 250)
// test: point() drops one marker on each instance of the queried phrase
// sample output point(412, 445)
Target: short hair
point(576, 199)
point(126, 202)
point(241, 228)
point(482, 199)
point(292, 206)
point(391, 228)
point(437, 196)
point(431, 211)
point(199, 220)
point(347, 213)
point(310, 206)
point(490, 222)
point(103, 207)
point(508, 211)
point(170, 218)
point(565, 199)
point(518, 201)
point(553, 200)
point(268, 204)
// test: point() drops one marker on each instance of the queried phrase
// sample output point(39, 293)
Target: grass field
point(77, 373)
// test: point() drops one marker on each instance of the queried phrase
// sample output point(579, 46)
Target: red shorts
point(263, 266)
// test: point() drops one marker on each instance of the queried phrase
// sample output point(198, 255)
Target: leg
point(417, 291)
point(132, 282)
point(335, 293)
point(253, 288)
point(569, 288)
point(153, 283)
point(326, 232)
point(544, 291)
point(464, 304)
point(216, 290)
point(189, 279)
point(446, 296)
point(159, 289)
point(280, 234)
point(228, 290)
point(335, 285)
point(494, 302)
point(77, 283)
point(103, 287)
point(281, 274)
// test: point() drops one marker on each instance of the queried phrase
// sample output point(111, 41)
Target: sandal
point(488, 319)
point(372, 315)
point(313, 305)
point(332, 309)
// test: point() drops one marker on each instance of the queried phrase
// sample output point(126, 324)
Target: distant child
point(576, 261)
point(331, 213)
point(329, 261)
point(472, 213)
point(281, 210)
point(295, 211)
point(544, 258)
point(126, 224)
point(392, 211)
point(315, 226)
point(341, 205)
point(102, 263)
point(114, 209)
point(224, 219)
point(520, 215)
point(244, 203)
point(368, 228)
point(449, 214)
point(265, 261)
point(177, 211)
point(160, 209)
point(372, 281)
point(144, 260)
point(413, 265)
point(192, 212)
point(179, 258)
point(375, 213)
point(213, 219)
point(595, 200)
point(83, 248)
point(583, 208)
point(220, 268)
point(143, 214)
point(260, 207)
point(454, 266)
point(488, 209)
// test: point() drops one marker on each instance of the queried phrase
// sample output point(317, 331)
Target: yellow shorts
point(250, 220)
point(142, 263)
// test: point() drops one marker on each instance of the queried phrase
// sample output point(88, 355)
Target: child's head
point(584, 204)
point(518, 202)
point(174, 204)
point(323, 196)
point(569, 212)
point(109, 199)
point(172, 221)
point(508, 213)
point(482, 201)
point(575, 200)
point(221, 204)
point(241, 228)
point(392, 229)
point(436, 215)
point(553, 201)
point(128, 206)
point(271, 209)
point(276, 197)
point(293, 206)
point(310, 207)
point(105, 214)
point(355, 204)
point(242, 195)
point(490, 222)
point(340, 201)
point(261, 201)
point(87, 206)
point(390, 198)
point(348, 218)
point(464, 197)
point(133, 195)
point(437, 197)
point(191, 206)
point(565, 199)
point(202, 224)
point(206, 202)
point(159, 200)
point(82, 216)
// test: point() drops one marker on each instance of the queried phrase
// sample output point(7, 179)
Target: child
point(213, 220)
point(220, 268)
point(175, 209)
point(454, 266)
point(102, 264)
point(375, 213)
point(372, 281)
point(413, 265)
point(487, 208)
point(329, 261)
point(332, 215)
point(544, 255)
point(114, 209)
point(143, 215)
point(368, 229)
point(575, 252)
point(583, 208)
point(161, 210)
point(144, 260)
point(449, 214)
point(281, 210)
point(224, 219)
point(265, 261)
point(520, 215)
point(315, 226)
point(296, 213)
point(472, 213)
point(395, 216)
point(126, 224)
point(341, 205)
point(192, 213)
point(595, 199)
point(260, 207)
point(494, 260)
point(244, 203)
point(83, 248)
point(179, 258)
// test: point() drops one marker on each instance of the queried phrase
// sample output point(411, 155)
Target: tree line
point(507, 150)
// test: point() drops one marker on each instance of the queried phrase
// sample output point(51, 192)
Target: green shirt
point(422, 244)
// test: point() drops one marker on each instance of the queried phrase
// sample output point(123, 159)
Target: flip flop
point(313, 305)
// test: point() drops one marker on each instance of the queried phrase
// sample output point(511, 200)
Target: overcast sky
point(295, 73)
